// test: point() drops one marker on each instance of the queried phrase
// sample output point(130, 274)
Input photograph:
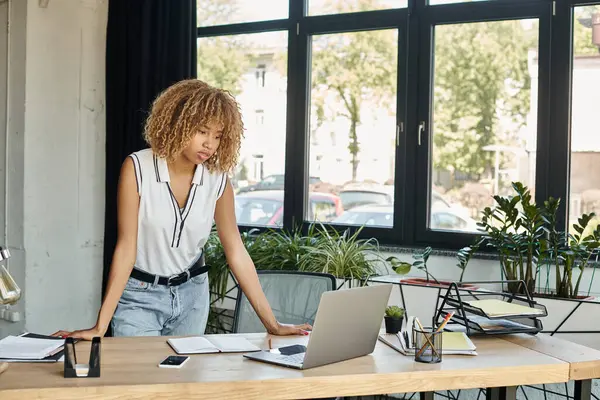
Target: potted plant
point(421, 258)
point(527, 240)
point(345, 255)
point(393, 319)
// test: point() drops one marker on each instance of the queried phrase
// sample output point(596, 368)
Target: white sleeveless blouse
point(171, 239)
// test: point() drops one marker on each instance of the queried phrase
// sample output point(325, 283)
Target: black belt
point(174, 280)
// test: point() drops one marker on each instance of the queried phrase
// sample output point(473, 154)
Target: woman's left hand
point(288, 329)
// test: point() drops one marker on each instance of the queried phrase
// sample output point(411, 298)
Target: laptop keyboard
point(293, 358)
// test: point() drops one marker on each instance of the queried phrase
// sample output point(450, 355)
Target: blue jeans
point(146, 309)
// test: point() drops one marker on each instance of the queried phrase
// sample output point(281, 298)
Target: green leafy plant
point(394, 312)
point(526, 238)
point(344, 255)
point(421, 258)
point(566, 252)
point(515, 227)
point(465, 255)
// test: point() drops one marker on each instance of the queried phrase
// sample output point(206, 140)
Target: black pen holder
point(75, 370)
point(428, 345)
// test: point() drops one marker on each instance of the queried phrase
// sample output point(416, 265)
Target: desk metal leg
point(583, 390)
point(501, 393)
point(426, 395)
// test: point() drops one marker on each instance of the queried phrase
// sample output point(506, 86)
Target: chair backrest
point(293, 296)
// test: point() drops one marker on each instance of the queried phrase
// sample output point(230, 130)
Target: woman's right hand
point(85, 334)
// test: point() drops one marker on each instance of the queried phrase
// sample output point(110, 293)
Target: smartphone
point(173, 362)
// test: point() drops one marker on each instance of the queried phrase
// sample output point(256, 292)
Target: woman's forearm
point(244, 271)
point(120, 270)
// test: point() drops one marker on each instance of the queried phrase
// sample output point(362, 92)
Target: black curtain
point(150, 45)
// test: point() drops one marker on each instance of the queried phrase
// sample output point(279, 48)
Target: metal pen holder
point(427, 345)
point(74, 370)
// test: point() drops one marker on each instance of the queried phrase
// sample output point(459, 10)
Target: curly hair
point(180, 110)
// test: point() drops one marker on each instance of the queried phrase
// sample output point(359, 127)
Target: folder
point(52, 356)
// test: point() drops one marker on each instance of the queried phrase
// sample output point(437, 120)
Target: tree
point(582, 31)
point(222, 60)
point(481, 78)
point(352, 72)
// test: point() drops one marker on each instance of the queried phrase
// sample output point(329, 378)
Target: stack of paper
point(211, 344)
point(24, 348)
point(490, 325)
point(499, 308)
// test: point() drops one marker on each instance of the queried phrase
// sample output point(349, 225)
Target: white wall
point(57, 173)
point(12, 148)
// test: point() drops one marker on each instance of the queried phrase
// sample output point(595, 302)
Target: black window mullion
point(245, 27)
point(359, 21)
point(401, 180)
point(552, 159)
point(422, 131)
point(295, 152)
point(575, 3)
point(457, 13)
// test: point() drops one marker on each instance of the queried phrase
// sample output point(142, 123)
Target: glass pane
point(437, 2)
point(585, 133)
point(320, 7)
point(352, 128)
point(224, 12)
point(253, 67)
point(484, 118)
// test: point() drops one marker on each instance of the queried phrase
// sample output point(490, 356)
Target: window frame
point(415, 25)
point(453, 14)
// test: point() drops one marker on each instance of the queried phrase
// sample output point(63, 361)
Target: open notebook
point(211, 344)
point(455, 343)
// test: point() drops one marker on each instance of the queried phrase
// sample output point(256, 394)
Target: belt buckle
point(175, 280)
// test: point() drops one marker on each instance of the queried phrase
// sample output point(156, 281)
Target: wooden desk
point(584, 362)
point(129, 370)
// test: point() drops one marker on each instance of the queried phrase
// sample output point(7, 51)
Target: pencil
point(445, 321)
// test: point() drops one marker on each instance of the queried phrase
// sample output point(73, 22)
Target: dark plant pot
point(393, 325)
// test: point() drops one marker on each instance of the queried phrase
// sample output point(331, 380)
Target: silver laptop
point(346, 326)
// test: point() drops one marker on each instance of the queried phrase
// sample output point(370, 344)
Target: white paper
point(231, 343)
point(192, 345)
point(27, 348)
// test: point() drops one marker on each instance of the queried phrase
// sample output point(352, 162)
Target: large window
point(353, 127)
point(318, 7)
point(484, 117)
point(253, 67)
point(406, 117)
point(222, 12)
point(585, 126)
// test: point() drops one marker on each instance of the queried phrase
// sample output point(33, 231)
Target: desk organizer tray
point(488, 312)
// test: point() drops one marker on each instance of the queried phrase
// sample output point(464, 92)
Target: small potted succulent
point(393, 319)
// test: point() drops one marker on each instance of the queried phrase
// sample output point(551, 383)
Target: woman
point(168, 196)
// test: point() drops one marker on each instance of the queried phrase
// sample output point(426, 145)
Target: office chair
point(293, 296)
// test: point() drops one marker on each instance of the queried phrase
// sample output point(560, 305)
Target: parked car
point(265, 207)
point(383, 215)
point(358, 194)
point(272, 182)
